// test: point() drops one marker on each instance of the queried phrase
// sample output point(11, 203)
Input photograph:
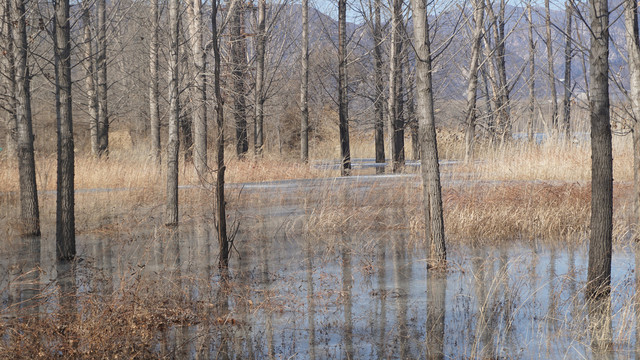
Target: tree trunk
point(532, 77)
point(396, 124)
point(65, 215)
point(259, 90)
point(568, 85)
point(504, 111)
point(432, 192)
point(633, 50)
point(199, 91)
point(550, 70)
point(8, 69)
point(599, 271)
point(472, 85)
point(238, 59)
point(29, 212)
point(223, 241)
point(154, 93)
point(89, 80)
point(173, 145)
point(101, 63)
point(343, 99)
point(379, 87)
point(304, 85)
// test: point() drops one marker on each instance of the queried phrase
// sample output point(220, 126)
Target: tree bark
point(532, 77)
point(633, 50)
point(259, 90)
point(29, 212)
point(89, 80)
point(472, 85)
point(304, 85)
point(101, 63)
point(343, 98)
point(223, 241)
point(65, 215)
point(550, 68)
point(568, 85)
point(173, 145)
point(199, 90)
point(154, 93)
point(432, 192)
point(379, 87)
point(238, 60)
point(396, 127)
point(599, 270)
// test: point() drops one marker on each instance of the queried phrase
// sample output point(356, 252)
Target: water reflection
point(365, 295)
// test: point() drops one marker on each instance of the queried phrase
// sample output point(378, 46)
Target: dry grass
point(487, 212)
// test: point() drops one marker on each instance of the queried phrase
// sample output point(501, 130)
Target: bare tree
point(599, 268)
point(343, 99)
point(199, 89)
point(8, 78)
point(568, 85)
point(496, 56)
point(394, 115)
point(154, 93)
point(304, 85)
point(101, 64)
point(238, 70)
point(633, 50)
point(472, 84)
point(29, 212)
point(65, 214)
point(223, 241)
point(532, 76)
point(173, 145)
point(550, 69)
point(261, 40)
point(379, 85)
point(432, 191)
point(90, 71)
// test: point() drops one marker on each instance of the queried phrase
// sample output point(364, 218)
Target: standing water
point(298, 289)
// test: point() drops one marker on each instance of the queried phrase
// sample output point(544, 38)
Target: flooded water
point(292, 293)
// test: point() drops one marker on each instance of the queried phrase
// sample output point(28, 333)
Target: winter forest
point(351, 179)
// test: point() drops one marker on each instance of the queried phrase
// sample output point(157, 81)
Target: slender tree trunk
point(504, 111)
point(65, 215)
point(101, 63)
point(154, 92)
point(223, 241)
point(633, 50)
point(379, 87)
point(173, 145)
point(472, 85)
point(8, 68)
point(568, 85)
point(259, 90)
point(199, 91)
point(394, 77)
point(343, 98)
point(238, 59)
point(490, 78)
point(304, 85)
point(550, 70)
point(487, 103)
point(532, 77)
point(29, 212)
point(186, 118)
point(599, 271)
point(429, 151)
point(89, 80)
